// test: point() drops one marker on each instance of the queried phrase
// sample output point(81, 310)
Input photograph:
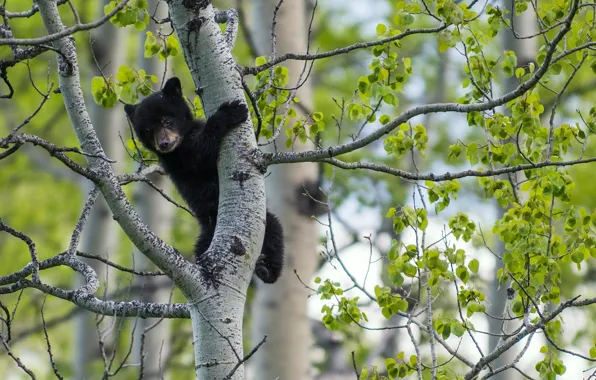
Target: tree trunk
point(525, 50)
point(100, 236)
point(217, 309)
point(152, 348)
point(279, 311)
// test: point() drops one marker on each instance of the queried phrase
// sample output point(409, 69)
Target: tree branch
point(54, 151)
point(163, 255)
point(320, 154)
point(25, 14)
point(230, 18)
point(83, 297)
point(30, 245)
point(527, 330)
point(449, 176)
point(360, 45)
point(62, 32)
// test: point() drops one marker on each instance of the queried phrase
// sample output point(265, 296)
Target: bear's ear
point(130, 110)
point(173, 87)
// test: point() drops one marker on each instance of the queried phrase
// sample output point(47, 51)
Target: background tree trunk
point(100, 236)
point(279, 310)
point(525, 50)
point(153, 347)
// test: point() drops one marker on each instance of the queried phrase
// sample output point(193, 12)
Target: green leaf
point(473, 265)
point(363, 86)
point(472, 153)
point(125, 75)
point(381, 30)
point(98, 85)
point(390, 99)
point(509, 63)
point(364, 373)
point(457, 329)
point(140, 25)
point(402, 305)
point(462, 273)
point(391, 212)
point(445, 40)
point(151, 46)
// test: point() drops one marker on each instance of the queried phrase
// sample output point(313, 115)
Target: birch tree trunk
point(524, 24)
point(100, 236)
point(280, 311)
point(217, 311)
point(152, 348)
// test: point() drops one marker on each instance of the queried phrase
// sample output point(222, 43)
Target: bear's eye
point(166, 121)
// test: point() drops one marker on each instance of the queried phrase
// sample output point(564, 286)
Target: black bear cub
point(188, 149)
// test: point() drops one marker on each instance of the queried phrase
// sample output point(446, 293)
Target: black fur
point(188, 151)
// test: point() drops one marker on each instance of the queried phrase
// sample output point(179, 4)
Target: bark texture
point(100, 235)
point(152, 343)
point(525, 50)
point(217, 310)
point(279, 311)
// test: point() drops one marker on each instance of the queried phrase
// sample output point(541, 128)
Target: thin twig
point(49, 346)
point(65, 32)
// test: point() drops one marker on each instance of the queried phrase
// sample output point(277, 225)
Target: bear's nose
point(164, 144)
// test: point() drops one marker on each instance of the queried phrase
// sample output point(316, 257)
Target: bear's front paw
point(233, 113)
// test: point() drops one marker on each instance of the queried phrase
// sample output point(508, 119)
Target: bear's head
point(162, 119)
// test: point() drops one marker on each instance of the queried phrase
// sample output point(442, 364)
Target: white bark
point(100, 235)
point(217, 318)
point(525, 50)
point(279, 311)
point(152, 348)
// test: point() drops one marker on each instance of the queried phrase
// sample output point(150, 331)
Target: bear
point(188, 150)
